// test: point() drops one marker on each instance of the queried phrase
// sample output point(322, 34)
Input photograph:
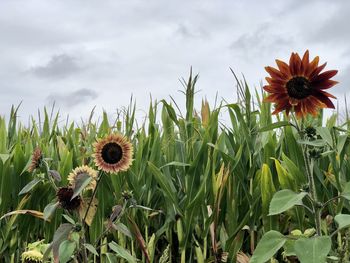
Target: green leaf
point(30, 186)
point(273, 126)
point(269, 244)
point(315, 143)
point(111, 258)
point(69, 219)
point(66, 250)
point(165, 183)
point(91, 248)
point(120, 227)
point(4, 157)
point(174, 163)
point(82, 180)
point(325, 134)
point(61, 234)
point(346, 191)
point(342, 220)
point(284, 200)
point(313, 250)
point(49, 210)
point(122, 252)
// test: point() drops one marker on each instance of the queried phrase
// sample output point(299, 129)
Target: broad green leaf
point(284, 200)
point(82, 180)
point(273, 126)
point(49, 210)
point(313, 250)
point(342, 220)
point(269, 244)
point(122, 252)
point(66, 250)
point(346, 191)
point(30, 186)
point(91, 248)
point(61, 234)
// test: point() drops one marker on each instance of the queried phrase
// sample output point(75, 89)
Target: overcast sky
point(86, 53)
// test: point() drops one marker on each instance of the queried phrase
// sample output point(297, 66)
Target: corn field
point(198, 189)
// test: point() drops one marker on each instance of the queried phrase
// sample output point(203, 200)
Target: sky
point(80, 54)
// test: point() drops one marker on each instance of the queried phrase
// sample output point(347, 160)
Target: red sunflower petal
point(327, 94)
point(273, 81)
point(312, 66)
point(326, 84)
point(326, 75)
point(283, 67)
point(275, 89)
point(324, 99)
point(275, 97)
point(317, 71)
point(305, 62)
point(275, 73)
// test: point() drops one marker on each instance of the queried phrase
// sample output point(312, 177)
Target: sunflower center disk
point(298, 88)
point(112, 153)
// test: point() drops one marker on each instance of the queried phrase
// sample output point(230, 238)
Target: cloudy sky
point(82, 54)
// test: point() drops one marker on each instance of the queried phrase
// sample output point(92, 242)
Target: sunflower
point(82, 170)
point(32, 256)
point(64, 196)
point(36, 160)
point(300, 85)
point(113, 153)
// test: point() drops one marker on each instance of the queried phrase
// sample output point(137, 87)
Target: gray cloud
point(261, 41)
point(72, 99)
point(59, 66)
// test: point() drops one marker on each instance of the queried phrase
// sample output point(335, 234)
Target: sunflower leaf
point(83, 179)
point(284, 200)
point(30, 186)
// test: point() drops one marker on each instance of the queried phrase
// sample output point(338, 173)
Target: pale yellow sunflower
point(83, 170)
point(32, 256)
point(113, 153)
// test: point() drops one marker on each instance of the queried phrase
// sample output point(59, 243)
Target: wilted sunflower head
point(32, 256)
point(64, 196)
point(36, 160)
point(76, 174)
point(113, 153)
point(300, 85)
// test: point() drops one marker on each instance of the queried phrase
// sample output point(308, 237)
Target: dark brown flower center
point(64, 196)
point(112, 153)
point(298, 88)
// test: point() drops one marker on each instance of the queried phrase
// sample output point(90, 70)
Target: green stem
point(312, 189)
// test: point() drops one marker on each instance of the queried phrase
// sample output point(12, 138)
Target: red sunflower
point(300, 85)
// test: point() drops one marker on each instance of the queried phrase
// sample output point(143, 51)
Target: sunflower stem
point(93, 196)
point(311, 181)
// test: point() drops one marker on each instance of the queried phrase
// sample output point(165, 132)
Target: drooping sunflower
point(113, 153)
point(64, 196)
point(300, 85)
point(80, 171)
point(36, 160)
point(32, 256)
